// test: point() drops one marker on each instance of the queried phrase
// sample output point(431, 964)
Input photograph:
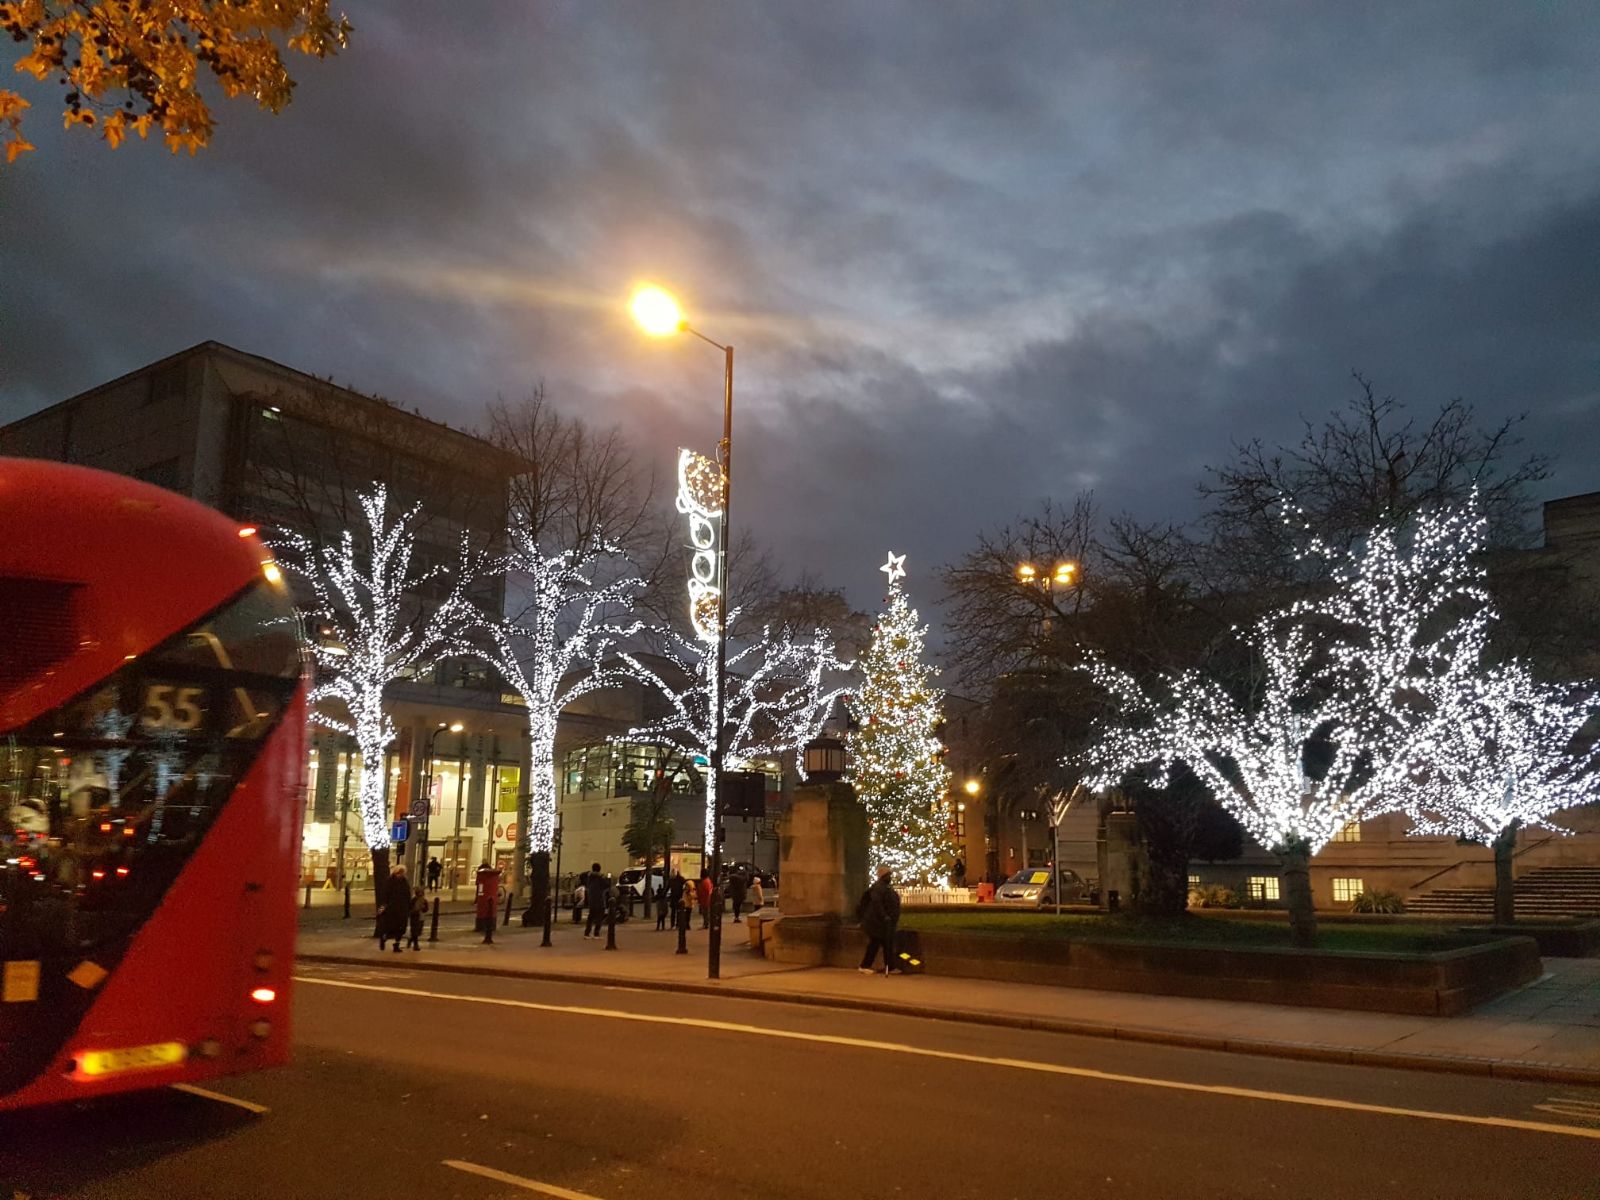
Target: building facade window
point(1350, 833)
point(1346, 890)
point(1260, 887)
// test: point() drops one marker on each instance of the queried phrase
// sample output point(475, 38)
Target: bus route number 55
point(168, 706)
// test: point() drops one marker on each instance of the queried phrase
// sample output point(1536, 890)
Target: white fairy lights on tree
point(552, 652)
point(779, 695)
point(1505, 751)
point(897, 761)
point(1338, 706)
point(375, 630)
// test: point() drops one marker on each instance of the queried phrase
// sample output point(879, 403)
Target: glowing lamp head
point(1026, 572)
point(972, 787)
point(1064, 573)
point(273, 573)
point(656, 311)
point(457, 727)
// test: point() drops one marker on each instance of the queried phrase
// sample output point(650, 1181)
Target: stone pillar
point(822, 852)
point(1121, 853)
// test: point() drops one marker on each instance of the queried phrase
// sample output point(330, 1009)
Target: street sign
point(401, 830)
point(419, 806)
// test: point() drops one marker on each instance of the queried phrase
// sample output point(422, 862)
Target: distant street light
point(659, 314)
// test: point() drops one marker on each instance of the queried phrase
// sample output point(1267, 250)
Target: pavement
point(1547, 1031)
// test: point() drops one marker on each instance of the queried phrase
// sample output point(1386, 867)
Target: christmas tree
point(897, 761)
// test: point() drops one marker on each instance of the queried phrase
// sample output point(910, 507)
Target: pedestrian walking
point(879, 914)
point(577, 900)
point(703, 896)
point(394, 913)
point(662, 905)
point(595, 895)
point(419, 911)
point(736, 892)
point(435, 869)
point(688, 897)
point(757, 896)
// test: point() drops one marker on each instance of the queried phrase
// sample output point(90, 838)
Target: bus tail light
point(263, 995)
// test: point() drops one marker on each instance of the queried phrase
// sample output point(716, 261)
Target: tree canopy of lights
point(573, 612)
point(780, 691)
point(1336, 705)
point(375, 630)
point(132, 66)
point(1506, 750)
point(897, 762)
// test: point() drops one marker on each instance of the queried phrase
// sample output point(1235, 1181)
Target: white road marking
point(1572, 1106)
point(527, 1185)
point(1015, 1064)
point(206, 1093)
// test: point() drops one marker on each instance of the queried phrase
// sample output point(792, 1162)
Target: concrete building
point(275, 447)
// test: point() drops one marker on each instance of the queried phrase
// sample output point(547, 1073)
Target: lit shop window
point(1350, 833)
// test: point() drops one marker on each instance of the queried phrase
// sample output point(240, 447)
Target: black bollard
point(549, 917)
point(611, 927)
point(347, 902)
point(488, 929)
point(683, 931)
point(308, 895)
point(433, 930)
point(510, 896)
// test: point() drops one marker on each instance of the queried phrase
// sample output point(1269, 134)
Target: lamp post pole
point(714, 951)
point(659, 315)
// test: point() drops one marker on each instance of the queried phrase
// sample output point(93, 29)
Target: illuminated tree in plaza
point(897, 761)
point(1504, 752)
point(1340, 699)
point(779, 694)
point(573, 612)
point(374, 629)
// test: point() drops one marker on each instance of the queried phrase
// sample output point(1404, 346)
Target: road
point(451, 1086)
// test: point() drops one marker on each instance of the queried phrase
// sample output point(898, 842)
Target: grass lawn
point(1196, 931)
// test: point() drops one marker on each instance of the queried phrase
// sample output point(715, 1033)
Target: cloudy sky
point(971, 255)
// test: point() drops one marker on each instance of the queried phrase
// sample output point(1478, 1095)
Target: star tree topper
point(895, 568)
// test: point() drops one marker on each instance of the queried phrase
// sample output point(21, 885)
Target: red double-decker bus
point(152, 716)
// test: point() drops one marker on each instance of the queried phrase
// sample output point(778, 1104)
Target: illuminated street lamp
point(1064, 575)
point(658, 313)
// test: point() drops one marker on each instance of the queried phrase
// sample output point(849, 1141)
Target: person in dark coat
point(879, 914)
point(703, 898)
point(394, 914)
point(594, 894)
point(736, 890)
point(435, 869)
point(662, 904)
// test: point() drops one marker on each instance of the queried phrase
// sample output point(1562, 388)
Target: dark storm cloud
point(971, 254)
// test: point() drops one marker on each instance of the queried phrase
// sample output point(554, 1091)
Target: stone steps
point(1545, 892)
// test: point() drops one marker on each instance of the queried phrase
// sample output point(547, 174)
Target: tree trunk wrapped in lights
point(1337, 706)
point(373, 630)
point(1503, 752)
point(553, 651)
point(779, 694)
point(897, 761)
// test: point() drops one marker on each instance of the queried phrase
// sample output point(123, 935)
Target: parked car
point(1038, 886)
point(632, 880)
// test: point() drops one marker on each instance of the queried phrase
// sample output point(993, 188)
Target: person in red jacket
point(704, 895)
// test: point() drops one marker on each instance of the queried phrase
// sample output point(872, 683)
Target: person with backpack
point(879, 914)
